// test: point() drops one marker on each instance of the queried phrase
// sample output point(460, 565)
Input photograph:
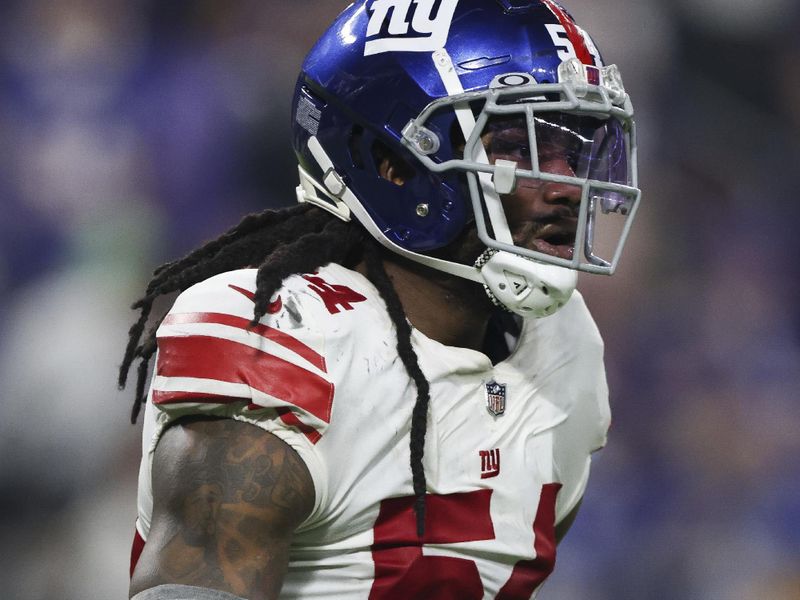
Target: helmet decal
point(569, 38)
point(512, 80)
point(421, 28)
point(307, 115)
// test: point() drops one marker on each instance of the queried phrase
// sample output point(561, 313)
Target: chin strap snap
point(523, 286)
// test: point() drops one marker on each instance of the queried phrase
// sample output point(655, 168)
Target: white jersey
point(507, 448)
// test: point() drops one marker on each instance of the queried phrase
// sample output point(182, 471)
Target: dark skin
point(227, 499)
point(228, 496)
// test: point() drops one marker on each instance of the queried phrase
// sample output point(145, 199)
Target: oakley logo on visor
point(408, 25)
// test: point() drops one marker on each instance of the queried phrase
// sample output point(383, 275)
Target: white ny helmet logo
point(424, 29)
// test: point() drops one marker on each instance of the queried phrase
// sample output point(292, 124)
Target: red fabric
point(160, 397)
point(264, 331)
point(401, 570)
point(333, 296)
point(288, 417)
point(136, 550)
point(213, 358)
point(272, 307)
point(451, 518)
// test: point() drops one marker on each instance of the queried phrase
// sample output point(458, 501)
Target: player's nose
point(556, 192)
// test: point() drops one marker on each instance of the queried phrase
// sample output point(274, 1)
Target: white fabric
point(556, 415)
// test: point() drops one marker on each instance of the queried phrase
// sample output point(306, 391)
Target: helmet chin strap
point(523, 286)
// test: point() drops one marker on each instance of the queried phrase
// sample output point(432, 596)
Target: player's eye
point(510, 149)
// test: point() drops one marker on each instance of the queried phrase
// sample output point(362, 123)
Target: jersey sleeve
point(273, 374)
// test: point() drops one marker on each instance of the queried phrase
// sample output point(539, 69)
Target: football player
point(392, 389)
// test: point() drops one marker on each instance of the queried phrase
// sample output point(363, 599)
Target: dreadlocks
point(283, 242)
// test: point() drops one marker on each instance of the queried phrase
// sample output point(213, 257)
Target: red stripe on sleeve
point(264, 331)
point(213, 358)
point(573, 33)
point(246, 293)
point(284, 412)
point(162, 398)
point(272, 307)
point(136, 550)
point(288, 417)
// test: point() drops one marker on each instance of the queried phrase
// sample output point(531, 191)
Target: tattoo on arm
point(227, 498)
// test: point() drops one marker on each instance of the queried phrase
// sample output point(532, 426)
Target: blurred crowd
point(131, 131)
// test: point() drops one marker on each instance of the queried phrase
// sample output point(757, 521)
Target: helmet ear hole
point(390, 165)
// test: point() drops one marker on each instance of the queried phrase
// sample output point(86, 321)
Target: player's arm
point(227, 497)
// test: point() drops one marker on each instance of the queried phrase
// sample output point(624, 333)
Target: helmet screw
point(423, 210)
point(425, 143)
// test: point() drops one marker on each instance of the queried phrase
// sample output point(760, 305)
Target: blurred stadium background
point(132, 130)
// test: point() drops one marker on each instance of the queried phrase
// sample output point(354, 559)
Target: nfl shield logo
point(496, 397)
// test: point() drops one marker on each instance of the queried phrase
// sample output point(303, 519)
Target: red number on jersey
point(334, 295)
point(402, 571)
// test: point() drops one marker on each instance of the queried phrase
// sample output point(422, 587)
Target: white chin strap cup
point(526, 287)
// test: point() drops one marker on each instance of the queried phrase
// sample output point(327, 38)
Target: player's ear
point(390, 166)
point(390, 171)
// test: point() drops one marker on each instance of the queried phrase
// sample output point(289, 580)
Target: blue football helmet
point(481, 101)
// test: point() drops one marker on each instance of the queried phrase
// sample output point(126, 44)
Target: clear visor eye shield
point(572, 144)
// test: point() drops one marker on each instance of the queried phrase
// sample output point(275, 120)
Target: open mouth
point(556, 239)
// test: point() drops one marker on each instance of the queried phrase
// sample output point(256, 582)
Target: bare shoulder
point(227, 499)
